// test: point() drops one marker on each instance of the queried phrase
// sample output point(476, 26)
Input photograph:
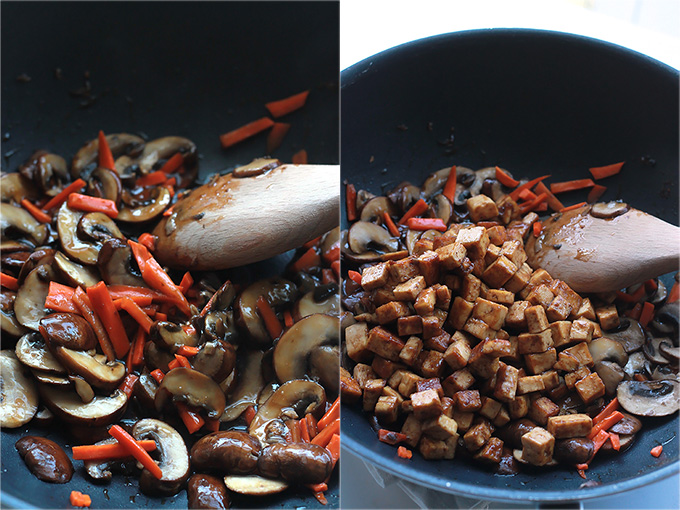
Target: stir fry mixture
point(456, 346)
point(182, 379)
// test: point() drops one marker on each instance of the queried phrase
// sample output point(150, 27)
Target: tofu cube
point(382, 296)
point(541, 295)
point(499, 272)
point(411, 325)
point(541, 409)
point(475, 240)
point(581, 331)
point(502, 297)
point(479, 329)
point(431, 326)
point(520, 279)
point(468, 401)
point(516, 317)
point(532, 343)
point(559, 309)
point(428, 264)
point(443, 296)
point(567, 363)
point(442, 427)
point(502, 418)
point(409, 290)
point(457, 354)
point(537, 363)
point(540, 277)
point(408, 385)
point(425, 301)
point(411, 350)
point(451, 256)
point(550, 379)
point(537, 320)
point(388, 391)
point(420, 247)
point(356, 341)
point(570, 425)
point(438, 342)
point(496, 235)
point(514, 250)
point(537, 446)
point(490, 408)
point(434, 449)
point(431, 384)
point(458, 381)
point(391, 311)
point(507, 378)
point(384, 368)
point(608, 317)
point(586, 311)
point(492, 253)
point(363, 373)
point(349, 387)
point(412, 429)
point(490, 313)
point(376, 276)
point(426, 404)
point(385, 344)
point(372, 391)
point(404, 269)
point(470, 287)
point(560, 288)
point(484, 366)
point(560, 332)
point(519, 407)
point(496, 347)
point(508, 209)
point(581, 352)
point(481, 208)
point(386, 409)
point(431, 363)
point(572, 378)
point(459, 313)
point(477, 436)
point(590, 388)
point(464, 420)
point(491, 452)
point(529, 384)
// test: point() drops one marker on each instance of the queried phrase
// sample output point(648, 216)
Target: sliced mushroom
point(349, 255)
point(665, 372)
point(254, 485)
point(215, 359)
point(209, 492)
point(156, 357)
point(608, 210)
point(171, 336)
point(45, 459)
point(105, 183)
point(43, 418)
point(59, 381)
point(103, 375)
point(363, 196)
point(32, 352)
point(404, 196)
point(164, 148)
point(18, 396)
point(637, 364)
point(17, 223)
point(117, 266)
point(603, 348)
point(39, 256)
point(481, 175)
point(330, 242)
point(368, 237)
point(649, 398)
point(436, 181)
point(222, 299)
point(666, 320)
point(652, 349)
point(670, 352)
point(173, 458)
point(101, 471)
point(73, 273)
point(257, 166)
point(298, 396)
point(611, 374)
point(276, 291)
point(300, 463)
point(443, 209)
point(193, 388)
point(628, 425)
point(97, 227)
point(217, 326)
point(120, 143)
point(323, 299)
point(374, 210)
point(412, 236)
point(150, 209)
point(11, 327)
point(76, 248)
point(625, 440)
point(249, 384)
point(228, 451)
point(68, 330)
point(324, 363)
point(68, 406)
point(629, 334)
point(82, 387)
point(145, 390)
point(15, 187)
point(29, 305)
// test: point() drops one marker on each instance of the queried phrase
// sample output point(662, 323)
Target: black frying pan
point(533, 102)
point(194, 69)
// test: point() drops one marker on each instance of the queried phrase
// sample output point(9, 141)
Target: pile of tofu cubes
point(463, 337)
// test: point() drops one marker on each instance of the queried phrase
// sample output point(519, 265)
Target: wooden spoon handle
point(232, 221)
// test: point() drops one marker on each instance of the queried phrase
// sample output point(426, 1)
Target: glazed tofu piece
point(459, 313)
point(496, 347)
point(530, 384)
point(516, 317)
point(385, 344)
point(519, 407)
point(349, 387)
point(438, 342)
point(507, 209)
point(490, 313)
point(507, 378)
point(387, 409)
point(537, 320)
point(561, 331)
point(481, 208)
point(409, 290)
point(541, 409)
point(586, 311)
point(477, 436)
point(374, 277)
point(425, 301)
point(497, 235)
point(385, 368)
point(411, 350)
point(570, 425)
point(608, 317)
point(566, 362)
point(428, 264)
point(560, 288)
point(470, 287)
point(541, 295)
point(391, 311)
point(430, 363)
point(412, 429)
point(514, 250)
point(458, 353)
point(363, 373)
point(404, 269)
point(537, 363)
point(590, 388)
point(490, 408)
point(534, 343)
point(356, 341)
point(468, 401)
point(537, 446)
point(479, 329)
point(464, 420)
point(500, 296)
point(372, 392)
point(492, 253)
point(458, 381)
point(581, 331)
point(475, 240)
point(581, 352)
point(433, 449)
point(411, 325)
point(559, 309)
point(572, 378)
point(491, 452)
point(442, 427)
point(550, 379)
point(426, 404)
point(451, 256)
point(499, 272)
point(520, 279)
point(443, 296)
point(408, 384)
point(431, 384)
point(502, 418)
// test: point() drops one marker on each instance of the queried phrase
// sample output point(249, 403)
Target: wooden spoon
point(233, 221)
point(593, 254)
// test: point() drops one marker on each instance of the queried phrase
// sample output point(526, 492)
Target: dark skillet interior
point(535, 103)
point(194, 69)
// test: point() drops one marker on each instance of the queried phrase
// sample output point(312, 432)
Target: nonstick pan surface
point(193, 69)
point(536, 103)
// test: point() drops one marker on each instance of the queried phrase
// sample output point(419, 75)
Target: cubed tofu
point(382, 296)
point(372, 391)
point(581, 352)
point(411, 325)
point(409, 290)
point(566, 362)
point(391, 311)
point(558, 392)
point(470, 287)
point(537, 363)
point(507, 378)
point(356, 342)
point(533, 343)
point(375, 276)
point(499, 272)
point(590, 388)
point(516, 317)
point(467, 401)
point(500, 296)
point(519, 407)
point(537, 446)
point(385, 344)
point(529, 384)
point(431, 326)
point(559, 309)
point(408, 384)
point(540, 277)
point(541, 409)
point(520, 279)
point(514, 356)
point(434, 449)
point(570, 425)
point(491, 452)
point(386, 409)
point(492, 253)
point(412, 429)
point(349, 387)
point(537, 320)
point(420, 247)
point(541, 295)
point(447, 237)
point(459, 380)
point(477, 436)
point(442, 427)
point(484, 366)
point(560, 332)
point(502, 418)
point(464, 420)
point(428, 264)
point(404, 269)
point(490, 408)
point(426, 301)
point(496, 347)
point(490, 313)
point(514, 250)
point(459, 313)
point(560, 288)
point(451, 256)
point(481, 208)
point(411, 350)
point(363, 373)
point(431, 384)
point(479, 329)
point(581, 331)
point(586, 311)
point(496, 235)
point(475, 240)
point(388, 391)
point(572, 378)
point(426, 404)
point(438, 342)
point(551, 379)
point(431, 363)
point(508, 209)
point(608, 317)
point(458, 353)
point(443, 296)
point(385, 368)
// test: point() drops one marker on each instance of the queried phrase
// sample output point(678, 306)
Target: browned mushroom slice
point(164, 148)
point(145, 390)
point(608, 210)
point(172, 455)
point(324, 363)
point(323, 299)
point(77, 248)
point(250, 381)
point(652, 349)
point(628, 425)
point(156, 357)
point(16, 187)
point(368, 237)
point(102, 470)
point(611, 374)
point(363, 196)
point(218, 326)
point(436, 181)
point(637, 364)
point(106, 376)
point(348, 254)
point(215, 359)
point(29, 305)
point(32, 352)
point(481, 175)
point(82, 387)
point(105, 183)
point(649, 398)
point(256, 167)
point(148, 210)
point(193, 388)
point(670, 352)
point(223, 298)
point(629, 334)
point(68, 330)
point(43, 418)
point(298, 397)
point(375, 208)
point(329, 240)
point(291, 354)
point(254, 485)
point(120, 143)
point(664, 372)
point(171, 336)
point(603, 348)
point(97, 227)
point(667, 319)
point(229, 451)
point(11, 328)
point(443, 209)
point(73, 273)
point(116, 264)
point(17, 223)
point(51, 174)
point(276, 291)
point(60, 381)
point(18, 396)
point(68, 406)
point(625, 440)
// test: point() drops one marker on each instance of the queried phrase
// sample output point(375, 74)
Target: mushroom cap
point(366, 237)
point(18, 395)
point(103, 375)
point(29, 305)
point(250, 382)
point(32, 352)
point(73, 273)
point(192, 387)
point(115, 263)
point(68, 330)
point(68, 406)
point(18, 221)
point(649, 398)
